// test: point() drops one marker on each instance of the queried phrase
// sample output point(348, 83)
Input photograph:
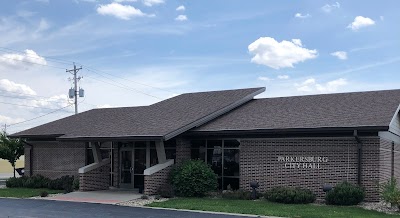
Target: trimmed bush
point(76, 184)
point(38, 181)
point(288, 195)
point(44, 194)
point(165, 191)
point(345, 193)
point(15, 182)
point(194, 178)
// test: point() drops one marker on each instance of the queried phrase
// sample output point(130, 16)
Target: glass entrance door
point(126, 168)
point(135, 158)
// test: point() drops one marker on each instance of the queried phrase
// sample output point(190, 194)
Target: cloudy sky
point(138, 52)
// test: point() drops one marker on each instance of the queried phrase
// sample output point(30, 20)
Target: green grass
point(265, 208)
point(25, 192)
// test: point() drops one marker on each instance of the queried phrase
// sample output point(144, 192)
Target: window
point(223, 158)
point(104, 151)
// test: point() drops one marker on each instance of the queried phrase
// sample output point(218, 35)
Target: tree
point(10, 149)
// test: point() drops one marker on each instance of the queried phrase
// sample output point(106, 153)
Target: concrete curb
point(209, 212)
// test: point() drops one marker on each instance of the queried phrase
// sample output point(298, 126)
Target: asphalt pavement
point(13, 208)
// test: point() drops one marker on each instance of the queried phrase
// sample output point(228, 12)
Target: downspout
point(30, 157)
point(359, 152)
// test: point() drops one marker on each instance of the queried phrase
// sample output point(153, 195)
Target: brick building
point(301, 141)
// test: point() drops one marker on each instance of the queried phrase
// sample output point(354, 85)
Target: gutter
point(30, 157)
point(359, 152)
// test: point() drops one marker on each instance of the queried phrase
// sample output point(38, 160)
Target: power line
point(46, 65)
point(39, 116)
point(91, 69)
point(24, 105)
point(31, 98)
point(56, 60)
point(125, 87)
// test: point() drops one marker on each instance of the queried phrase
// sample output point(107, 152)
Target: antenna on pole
point(73, 92)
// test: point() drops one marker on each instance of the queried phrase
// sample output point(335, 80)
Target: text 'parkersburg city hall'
point(302, 162)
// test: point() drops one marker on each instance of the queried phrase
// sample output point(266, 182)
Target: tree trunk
point(13, 165)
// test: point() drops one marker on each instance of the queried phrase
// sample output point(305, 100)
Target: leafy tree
point(10, 149)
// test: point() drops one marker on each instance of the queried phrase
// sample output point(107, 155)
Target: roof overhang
point(110, 138)
point(214, 115)
point(290, 131)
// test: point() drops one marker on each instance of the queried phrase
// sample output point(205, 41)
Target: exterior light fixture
point(254, 185)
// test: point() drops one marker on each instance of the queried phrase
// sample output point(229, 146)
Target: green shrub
point(390, 192)
point(345, 193)
point(237, 195)
point(44, 194)
point(288, 195)
point(15, 182)
point(165, 191)
point(76, 184)
point(144, 197)
point(194, 178)
point(38, 181)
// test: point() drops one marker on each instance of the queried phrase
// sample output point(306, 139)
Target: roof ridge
point(329, 94)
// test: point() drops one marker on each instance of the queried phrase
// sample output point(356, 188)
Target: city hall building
point(301, 141)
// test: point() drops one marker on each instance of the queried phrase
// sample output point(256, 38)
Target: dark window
point(223, 158)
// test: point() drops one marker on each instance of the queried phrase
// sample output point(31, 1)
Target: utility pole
point(75, 90)
point(5, 128)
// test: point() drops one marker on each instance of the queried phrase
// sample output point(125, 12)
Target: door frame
point(132, 169)
point(127, 185)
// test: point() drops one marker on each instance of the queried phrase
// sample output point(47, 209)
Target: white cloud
point(43, 25)
point(121, 1)
point(264, 78)
point(29, 57)
point(124, 12)
point(360, 22)
point(9, 120)
point(267, 51)
point(181, 17)
point(16, 88)
point(181, 8)
point(329, 8)
point(311, 85)
point(53, 102)
point(342, 55)
point(283, 77)
point(302, 16)
point(153, 2)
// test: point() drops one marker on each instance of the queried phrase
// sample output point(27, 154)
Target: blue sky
point(165, 47)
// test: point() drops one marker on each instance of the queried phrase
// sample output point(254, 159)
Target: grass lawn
point(265, 208)
point(25, 192)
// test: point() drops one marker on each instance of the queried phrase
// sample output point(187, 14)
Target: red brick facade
point(153, 182)
point(55, 159)
point(97, 179)
point(182, 149)
point(259, 162)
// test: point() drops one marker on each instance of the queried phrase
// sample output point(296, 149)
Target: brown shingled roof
point(164, 119)
point(358, 109)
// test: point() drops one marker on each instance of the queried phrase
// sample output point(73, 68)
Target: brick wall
point(116, 170)
point(389, 160)
point(259, 162)
point(56, 159)
point(97, 179)
point(153, 182)
point(182, 149)
point(385, 160)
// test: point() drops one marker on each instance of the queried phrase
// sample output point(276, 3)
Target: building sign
point(302, 162)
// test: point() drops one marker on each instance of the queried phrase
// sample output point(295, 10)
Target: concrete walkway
point(102, 197)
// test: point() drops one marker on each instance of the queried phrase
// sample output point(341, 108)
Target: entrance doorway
point(135, 157)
